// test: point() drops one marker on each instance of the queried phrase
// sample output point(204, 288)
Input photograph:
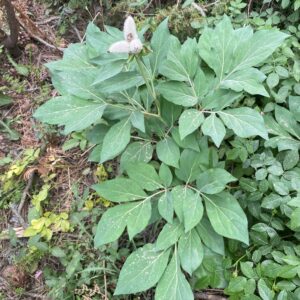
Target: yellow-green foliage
point(47, 224)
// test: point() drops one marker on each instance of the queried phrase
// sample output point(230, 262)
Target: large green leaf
point(173, 285)
point(244, 121)
point(142, 270)
point(120, 190)
point(214, 181)
point(182, 62)
point(116, 139)
point(120, 82)
point(169, 235)
point(213, 127)
point(159, 44)
point(72, 112)
point(165, 206)
point(231, 54)
point(227, 217)
point(136, 152)
point(189, 121)
point(192, 210)
point(209, 237)
point(168, 152)
point(219, 99)
point(145, 175)
point(178, 93)
point(138, 218)
point(112, 224)
point(189, 165)
point(108, 71)
point(248, 80)
point(190, 251)
point(286, 119)
point(135, 215)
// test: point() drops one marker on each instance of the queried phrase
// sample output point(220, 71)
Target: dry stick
point(24, 195)
point(206, 296)
point(105, 283)
point(18, 216)
point(43, 22)
point(249, 8)
point(199, 8)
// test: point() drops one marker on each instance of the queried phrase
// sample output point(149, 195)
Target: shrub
point(170, 113)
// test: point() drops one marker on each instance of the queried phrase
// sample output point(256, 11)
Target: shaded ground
point(63, 169)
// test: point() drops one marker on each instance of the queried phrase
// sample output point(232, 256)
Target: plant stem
point(150, 86)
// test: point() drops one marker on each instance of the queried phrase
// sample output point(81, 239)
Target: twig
point(211, 4)
point(249, 8)
point(206, 296)
point(44, 42)
point(105, 283)
point(77, 33)
point(24, 195)
point(199, 8)
point(18, 216)
point(43, 22)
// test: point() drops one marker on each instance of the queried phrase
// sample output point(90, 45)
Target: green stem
point(148, 81)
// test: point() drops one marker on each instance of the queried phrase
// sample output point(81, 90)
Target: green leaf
point(286, 119)
point(264, 291)
point(142, 270)
point(214, 181)
point(189, 121)
point(135, 215)
point(236, 284)
point(178, 93)
point(169, 235)
point(192, 210)
point(4, 99)
point(108, 71)
point(120, 190)
point(244, 121)
point(165, 206)
point(227, 217)
point(249, 80)
point(74, 113)
point(159, 43)
point(219, 99)
point(112, 224)
point(173, 284)
point(165, 175)
point(183, 196)
point(189, 142)
point(272, 201)
point(120, 82)
point(137, 120)
point(291, 159)
point(248, 269)
point(213, 127)
point(136, 152)
point(116, 139)
point(189, 165)
point(190, 251)
point(138, 218)
point(182, 62)
point(74, 264)
point(272, 80)
point(144, 175)
point(168, 152)
point(295, 218)
point(209, 237)
point(218, 47)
